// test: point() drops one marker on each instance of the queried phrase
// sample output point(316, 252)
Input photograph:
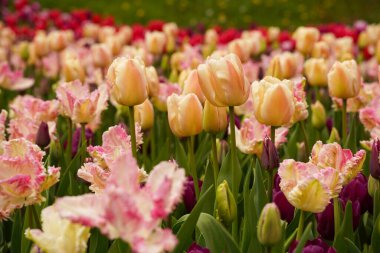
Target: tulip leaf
point(291, 147)
point(375, 243)
point(260, 195)
point(98, 242)
point(217, 238)
point(184, 234)
point(17, 232)
point(208, 181)
point(376, 204)
point(66, 184)
point(230, 171)
point(304, 238)
point(351, 142)
point(180, 154)
point(346, 230)
point(119, 246)
point(352, 248)
point(203, 150)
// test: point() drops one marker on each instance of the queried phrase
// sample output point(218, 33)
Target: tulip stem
point(303, 129)
point(300, 225)
point(234, 186)
point(132, 130)
point(214, 156)
point(192, 167)
point(69, 139)
point(83, 142)
point(344, 122)
point(336, 216)
point(273, 134)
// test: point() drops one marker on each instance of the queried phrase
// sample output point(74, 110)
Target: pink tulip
point(13, 80)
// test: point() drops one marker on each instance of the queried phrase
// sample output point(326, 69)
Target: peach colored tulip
point(72, 68)
point(41, 44)
point(344, 79)
point(223, 81)
point(344, 48)
point(321, 49)
point(106, 32)
point(273, 33)
point(240, 47)
point(316, 71)
point(153, 81)
point(191, 85)
point(155, 42)
point(115, 43)
point(90, 30)
point(101, 55)
point(125, 34)
point(211, 37)
point(58, 40)
point(185, 115)
point(305, 38)
point(214, 118)
point(283, 66)
point(144, 114)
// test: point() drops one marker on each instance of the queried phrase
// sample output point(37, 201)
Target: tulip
point(283, 66)
point(241, 48)
point(273, 33)
point(58, 40)
point(170, 29)
point(106, 32)
point(211, 37)
point(316, 71)
point(363, 39)
point(343, 48)
point(153, 81)
point(314, 246)
point(101, 55)
point(75, 145)
point(128, 80)
point(125, 34)
point(305, 38)
point(189, 198)
point(269, 157)
point(191, 85)
point(144, 115)
point(155, 42)
point(286, 209)
point(273, 101)
point(375, 161)
point(321, 49)
point(43, 137)
point(269, 229)
point(72, 68)
point(41, 44)
point(13, 80)
point(223, 82)
point(377, 51)
point(214, 118)
point(225, 204)
point(115, 43)
point(318, 115)
point(185, 115)
point(90, 30)
point(195, 248)
point(325, 222)
point(373, 186)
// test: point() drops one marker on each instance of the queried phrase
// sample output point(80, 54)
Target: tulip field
point(155, 137)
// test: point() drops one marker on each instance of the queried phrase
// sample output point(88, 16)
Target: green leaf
point(352, 248)
point(98, 242)
point(180, 154)
point(208, 181)
point(119, 246)
point(260, 195)
point(230, 171)
point(375, 242)
point(346, 230)
point(66, 183)
point(304, 238)
point(16, 232)
point(184, 234)
point(217, 238)
point(376, 204)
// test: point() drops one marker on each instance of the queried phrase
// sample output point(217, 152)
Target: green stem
point(214, 156)
point(271, 172)
point(303, 129)
point(268, 249)
point(69, 139)
point(132, 130)
point(273, 134)
point(344, 122)
point(300, 225)
point(83, 142)
point(234, 185)
point(336, 216)
point(192, 167)
point(35, 217)
point(317, 94)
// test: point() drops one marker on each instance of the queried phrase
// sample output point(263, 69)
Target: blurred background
point(229, 13)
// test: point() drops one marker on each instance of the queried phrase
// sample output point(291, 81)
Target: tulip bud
point(374, 164)
point(90, 30)
point(301, 151)
point(222, 149)
point(106, 32)
point(241, 48)
point(72, 68)
point(373, 185)
point(211, 37)
point(214, 118)
point(41, 44)
point(305, 38)
point(58, 40)
point(334, 136)
point(283, 66)
point(43, 137)
point(316, 71)
point(191, 85)
point(195, 248)
point(153, 81)
point(225, 203)
point(318, 115)
point(344, 79)
point(273, 33)
point(144, 114)
point(269, 229)
point(321, 50)
point(269, 157)
point(101, 55)
point(155, 42)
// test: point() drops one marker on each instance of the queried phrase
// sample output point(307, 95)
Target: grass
point(230, 13)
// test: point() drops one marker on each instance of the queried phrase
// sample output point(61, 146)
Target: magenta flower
point(128, 210)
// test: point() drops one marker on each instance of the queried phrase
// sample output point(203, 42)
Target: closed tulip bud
point(43, 137)
point(283, 66)
point(316, 71)
point(90, 30)
point(321, 50)
point(214, 118)
point(191, 85)
point(41, 44)
point(375, 162)
point(115, 44)
point(273, 101)
point(170, 29)
point(269, 229)
point(125, 34)
point(128, 80)
point(106, 32)
point(344, 79)
point(144, 115)
point(363, 39)
point(211, 37)
point(273, 33)
point(222, 149)
point(223, 81)
point(318, 115)
point(269, 157)
point(305, 38)
point(373, 185)
point(344, 47)
point(101, 55)
point(241, 48)
point(72, 68)
point(58, 40)
point(153, 81)
point(155, 42)
point(377, 54)
point(225, 204)
point(334, 136)
point(185, 115)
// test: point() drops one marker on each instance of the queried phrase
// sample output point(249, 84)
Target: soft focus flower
point(79, 104)
point(316, 71)
point(58, 40)
point(97, 171)
point(189, 198)
point(77, 136)
point(155, 42)
point(313, 246)
point(370, 115)
point(144, 114)
point(3, 118)
point(278, 197)
point(195, 248)
point(305, 38)
point(185, 114)
point(223, 82)
point(13, 80)
point(269, 229)
point(240, 47)
point(269, 95)
point(128, 210)
point(283, 66)
point(128, 80)
point(25, 178)
point(43, 137)
point(58, 235)
point(321, 49)
point(273, 33)
point(214, 118)
point(250, 136)
point(101, 55)
point(72, 68)
point(332, 155)
point(318, 115)
point(343, 48)
point(374, 164)
point(41, 44)
point(165, 91)
point(105, 32)
point(211, 37)
point(344, 79)
point(153, 81)
point(191, 85)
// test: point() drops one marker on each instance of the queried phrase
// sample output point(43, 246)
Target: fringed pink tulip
point(13, 80)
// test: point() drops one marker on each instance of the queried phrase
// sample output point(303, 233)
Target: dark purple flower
point(314, 246)
point(195, 248)
point(329, 124)
point(325, 222)
point(43, 137)
point(189, 198)
point(269, 157)
point(286, 209)
point(77, 137)
point(374, 164)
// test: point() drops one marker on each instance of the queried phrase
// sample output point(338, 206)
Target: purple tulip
point(314, 246)
point(76, 139)
point(195, 248)
point(357, 191)
point(269, 157)
point(325, 222)
point(43, 137)
point(374, 164)
point(286, 209)
point(329, 124)
point(189, 198)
